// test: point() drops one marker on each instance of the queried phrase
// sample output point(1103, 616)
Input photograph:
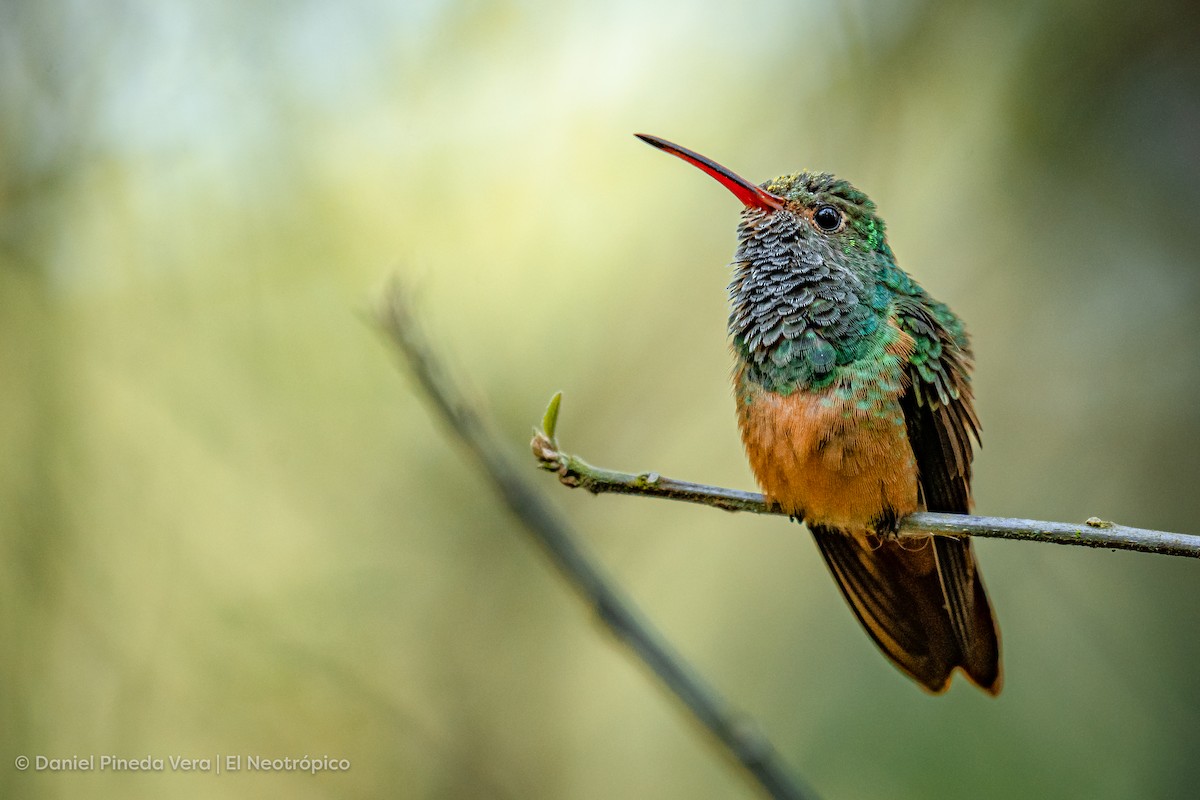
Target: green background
point(227, 524)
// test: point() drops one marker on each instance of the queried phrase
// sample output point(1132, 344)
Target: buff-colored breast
point(820, 459)
point(827, 455)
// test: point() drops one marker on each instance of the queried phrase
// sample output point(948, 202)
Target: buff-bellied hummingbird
point(854, 403)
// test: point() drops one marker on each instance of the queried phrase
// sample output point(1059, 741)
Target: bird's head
point(807, 289)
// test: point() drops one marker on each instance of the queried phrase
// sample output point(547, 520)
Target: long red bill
point(751, 196)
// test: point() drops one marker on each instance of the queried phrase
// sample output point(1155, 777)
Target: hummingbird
point(854, 403)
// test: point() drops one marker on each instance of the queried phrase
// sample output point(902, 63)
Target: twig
point(573, 471)
point(737, 733)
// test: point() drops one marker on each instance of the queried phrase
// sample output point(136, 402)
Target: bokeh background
point(227, 524)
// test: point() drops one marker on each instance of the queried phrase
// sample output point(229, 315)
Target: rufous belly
point(828, 458)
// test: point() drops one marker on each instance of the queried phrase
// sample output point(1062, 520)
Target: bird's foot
point(887, 525)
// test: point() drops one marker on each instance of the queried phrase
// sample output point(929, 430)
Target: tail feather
point(970, 612)
point(922, 602)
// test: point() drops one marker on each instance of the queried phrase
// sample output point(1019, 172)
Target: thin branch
point(738, 734)
point(573, 471)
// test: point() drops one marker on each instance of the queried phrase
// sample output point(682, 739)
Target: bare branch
point(738, 734)
point(573, 471)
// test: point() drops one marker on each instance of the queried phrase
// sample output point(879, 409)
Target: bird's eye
point(827, 218)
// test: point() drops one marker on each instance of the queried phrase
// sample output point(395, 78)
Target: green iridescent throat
point(810, 307)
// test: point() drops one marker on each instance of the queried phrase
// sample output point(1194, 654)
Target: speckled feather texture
point(855, 408)
point(854, 403)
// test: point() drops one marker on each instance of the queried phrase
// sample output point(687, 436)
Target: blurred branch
point(573, 471)
point(738, 734)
